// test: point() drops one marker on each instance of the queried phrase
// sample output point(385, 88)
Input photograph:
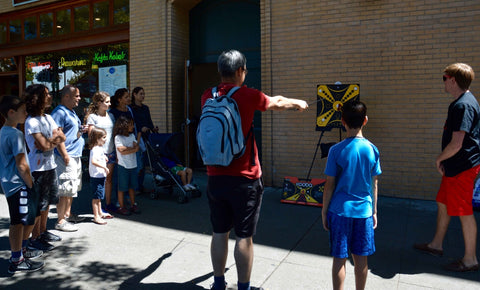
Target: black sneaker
point(31, 253)
point(40, 244)
point(49, 237)
point(25, 265)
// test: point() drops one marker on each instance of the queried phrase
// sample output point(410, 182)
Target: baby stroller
point(163, 145)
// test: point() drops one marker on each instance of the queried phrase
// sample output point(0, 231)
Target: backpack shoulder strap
point(215, 93)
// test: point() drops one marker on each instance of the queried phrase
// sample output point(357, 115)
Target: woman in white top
point(98, 116)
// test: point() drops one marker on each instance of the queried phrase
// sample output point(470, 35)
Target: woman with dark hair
point(141, 112)
point(120, 104)
point(42, 136)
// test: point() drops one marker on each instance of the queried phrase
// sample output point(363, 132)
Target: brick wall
point(395, 50)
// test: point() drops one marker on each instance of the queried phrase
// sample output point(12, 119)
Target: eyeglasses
point(445, 77)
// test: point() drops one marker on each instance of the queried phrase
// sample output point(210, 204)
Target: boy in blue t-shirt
point(350, 197)
point(17, 183)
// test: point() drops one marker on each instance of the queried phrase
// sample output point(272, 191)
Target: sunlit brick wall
point(395, 50)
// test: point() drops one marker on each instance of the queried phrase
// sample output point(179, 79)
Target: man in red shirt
point(235, 191)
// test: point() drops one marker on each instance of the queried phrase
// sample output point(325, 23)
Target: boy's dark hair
point(35, 99)
point(121, 126)
point(8, 103)
point(94, 135)
point(353, 113)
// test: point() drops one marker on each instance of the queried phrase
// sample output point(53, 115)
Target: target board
point(330, 99)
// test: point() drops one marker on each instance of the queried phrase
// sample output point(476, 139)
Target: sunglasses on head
point(445, 77)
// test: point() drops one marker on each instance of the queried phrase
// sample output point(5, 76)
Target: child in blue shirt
point(350, 197)
point(17, 183)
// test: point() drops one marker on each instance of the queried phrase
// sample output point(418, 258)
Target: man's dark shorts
point(22, 206)
point(234, 203)
point(46, 186)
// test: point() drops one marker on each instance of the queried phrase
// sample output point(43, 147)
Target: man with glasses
point(459, 164)
point(235, 191)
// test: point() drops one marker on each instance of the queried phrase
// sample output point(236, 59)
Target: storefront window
point(8, 64)
point(15, 30)
point(30, 27)
point(3, 32)
point(121, 11)
point(46, 25)
point(63, 22)
point(100, 14)
point(82, 18)
point(90, 69)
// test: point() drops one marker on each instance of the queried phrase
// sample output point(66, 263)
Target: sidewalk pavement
point(167, 246)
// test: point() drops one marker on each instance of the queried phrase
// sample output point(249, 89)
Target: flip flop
point(426, 249)
point(99, 222)
point(107, 216)
point(459, 266)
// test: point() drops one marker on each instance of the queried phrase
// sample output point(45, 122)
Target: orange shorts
point(457, 192)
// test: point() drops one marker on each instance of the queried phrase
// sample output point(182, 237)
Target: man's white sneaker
point(66, 227)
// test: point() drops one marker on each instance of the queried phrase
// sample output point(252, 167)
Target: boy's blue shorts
point(127, 178)
point(355, 235)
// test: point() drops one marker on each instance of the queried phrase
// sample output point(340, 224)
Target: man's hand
point(375, 222)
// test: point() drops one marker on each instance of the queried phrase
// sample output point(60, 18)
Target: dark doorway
point(216, 26)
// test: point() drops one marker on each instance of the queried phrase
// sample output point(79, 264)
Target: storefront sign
point(110, 55)
point(70, 63)
point(21, 2)
point(39, 63)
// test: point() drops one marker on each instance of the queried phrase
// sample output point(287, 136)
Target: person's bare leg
point(338, 273)
point(68, 206)
point(189, 174)
point(443, 220)
point(61, 208)
point(361, 271)
point(121, 202)
point(244, 258)
point(36, 228)
point(469, 228)
point(218, 253)
point(44, 219)
point(108, 183)
point(15, 236)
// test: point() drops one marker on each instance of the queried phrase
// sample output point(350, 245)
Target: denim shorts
point(354, 235)
point(22, 206)
point(127, 178)
point(97, 185)
point(112, 157)
point(234, 203)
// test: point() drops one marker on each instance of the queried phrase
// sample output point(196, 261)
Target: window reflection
point(121, 11)
point(63, 21)
point(3, 32)
point(15, 30)
point(100, 14)
point(82, 18)
point(46, 25)
point(30, 27)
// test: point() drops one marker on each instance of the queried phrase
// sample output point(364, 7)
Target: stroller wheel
point(182, 199)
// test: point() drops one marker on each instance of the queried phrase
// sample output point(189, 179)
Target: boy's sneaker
point(73, 218)
point(31, 253)
point(25, 265)
point(123, 211)
point(49, 237)
point(66, 227)
point(135, 209)
point(186, 187)
point(40, 244)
